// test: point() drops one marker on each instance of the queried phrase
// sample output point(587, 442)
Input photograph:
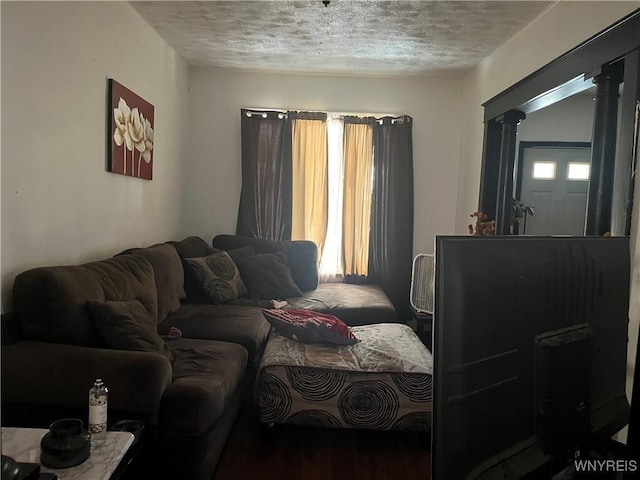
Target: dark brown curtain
point(265, 200)
point(391, 243)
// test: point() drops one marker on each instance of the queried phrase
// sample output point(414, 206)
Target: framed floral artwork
point(130, 133)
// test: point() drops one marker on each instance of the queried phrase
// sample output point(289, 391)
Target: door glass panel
point(544, 170)
point(559, 204)
point(578, 171)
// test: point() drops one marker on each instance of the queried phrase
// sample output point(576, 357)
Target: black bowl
point(10, 468)
point(66, 444)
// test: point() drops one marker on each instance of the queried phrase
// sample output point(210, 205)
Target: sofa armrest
point(61, 375)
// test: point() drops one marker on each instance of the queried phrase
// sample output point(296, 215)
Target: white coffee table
point(23, 445)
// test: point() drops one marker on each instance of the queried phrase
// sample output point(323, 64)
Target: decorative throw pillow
point(127, 325)
point(310, 327)
point(219, 276)
point(268, 277)
point(193, 247)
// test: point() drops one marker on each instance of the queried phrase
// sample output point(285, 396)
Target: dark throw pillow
point(127, 325)
point(238, 254)
point(267, 276)
point(219, 277)
point(310, 327)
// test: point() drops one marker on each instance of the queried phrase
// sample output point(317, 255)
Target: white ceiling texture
point(374, 37)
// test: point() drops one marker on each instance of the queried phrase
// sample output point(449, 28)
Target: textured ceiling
point(346, 37)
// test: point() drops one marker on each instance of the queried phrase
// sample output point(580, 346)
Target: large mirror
point(552, 168)
point(558, 146)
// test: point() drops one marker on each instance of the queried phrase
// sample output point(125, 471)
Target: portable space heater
point(423, 283)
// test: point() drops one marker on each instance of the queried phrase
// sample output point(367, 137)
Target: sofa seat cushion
point(205, 376)
point(353, 304)
point(242, 325)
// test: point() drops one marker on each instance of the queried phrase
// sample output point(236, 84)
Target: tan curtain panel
point(358, 171)
point(309, 180)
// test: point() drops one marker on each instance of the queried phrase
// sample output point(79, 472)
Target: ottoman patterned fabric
point(383, 382)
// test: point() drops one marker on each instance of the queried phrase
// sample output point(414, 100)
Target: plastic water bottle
point(98, 399)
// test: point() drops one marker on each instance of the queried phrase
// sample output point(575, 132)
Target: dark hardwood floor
point(310, 453)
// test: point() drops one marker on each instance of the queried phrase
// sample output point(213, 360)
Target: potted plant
point(520, 211)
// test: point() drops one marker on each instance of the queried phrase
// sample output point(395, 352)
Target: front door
point(554, 183)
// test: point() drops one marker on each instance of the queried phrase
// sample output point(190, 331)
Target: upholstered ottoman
point(383, 382)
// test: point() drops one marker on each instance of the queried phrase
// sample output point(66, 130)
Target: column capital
point(512, 117)
point(613, 72)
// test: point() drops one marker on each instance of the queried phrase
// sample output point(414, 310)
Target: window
point(311, 176)
point(578, 171)
point(332, 179)
point(331, 259)
point(544, 170)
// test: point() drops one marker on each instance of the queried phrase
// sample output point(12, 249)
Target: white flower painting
point(132, 137)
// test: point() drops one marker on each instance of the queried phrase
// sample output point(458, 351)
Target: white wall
point(59, 204)
point(212, 186)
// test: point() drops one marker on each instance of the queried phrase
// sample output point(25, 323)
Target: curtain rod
point(263, 113)
point(399, 119)
point(283, 114)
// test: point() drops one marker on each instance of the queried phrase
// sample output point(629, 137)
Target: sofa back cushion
point(10, 329)
point(50, 303)
point(302, 255)
point(168, 273)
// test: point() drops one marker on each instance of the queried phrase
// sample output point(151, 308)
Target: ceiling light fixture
point(326, 3)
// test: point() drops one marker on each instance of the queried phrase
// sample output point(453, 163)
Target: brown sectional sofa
point(188, 394)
